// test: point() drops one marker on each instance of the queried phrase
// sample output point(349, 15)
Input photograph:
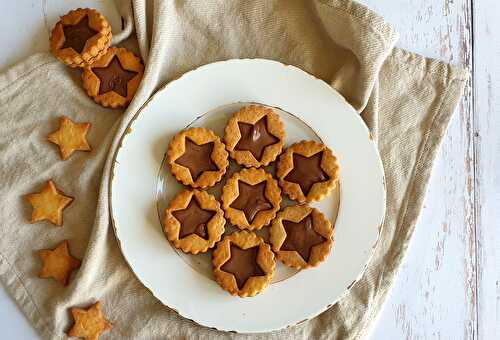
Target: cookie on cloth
point(197, 157)
point(254, 136)
point(194, 221)
point(80, 37)
point(89, 323)
point(48, 204)
point(70, 137)
point(58, 263)
point(301, 236)
point(307, 171)
point(251, 198)
point(243, 264)
point(113, 79)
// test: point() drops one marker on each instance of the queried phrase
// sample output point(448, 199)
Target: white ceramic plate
point(141, 187)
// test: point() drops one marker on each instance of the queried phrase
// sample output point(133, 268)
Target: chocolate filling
point(193, 219)
point(197, 158)
point(301, 237)
point(243, 264)
point(255, 138)
point(76, 36)
point(307, 171)
point(251, 199)
point(113, 77)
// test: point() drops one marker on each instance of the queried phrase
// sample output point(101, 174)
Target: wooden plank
point(487, 154)
point(435, 294)
point(20, 43)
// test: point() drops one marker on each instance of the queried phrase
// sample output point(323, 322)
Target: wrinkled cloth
point(405, 99)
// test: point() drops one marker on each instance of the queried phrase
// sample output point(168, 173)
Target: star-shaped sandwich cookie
point(251, 199)
point(193, 220)
point(307, 171)
point(58, 263)
point(70, 137)
point(114, 77)
point(255, 138)
point(76, 35)
point(48, 204)
point(80, 37)
point(90, 323)
point(243, 264)
point(301, 236)
point(197, 158)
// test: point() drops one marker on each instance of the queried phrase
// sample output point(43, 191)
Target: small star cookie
point(48, 204)
point(58, 263)
point(90, 323)
point(70, 137)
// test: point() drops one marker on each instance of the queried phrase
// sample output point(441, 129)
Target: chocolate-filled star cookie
point(194, 221)
point(113, 79)
point(197, 157)
point(254, 136)
point(243, 264)
point(301, 236)
point(80, 37)
point(251, 198)
point(307, 171)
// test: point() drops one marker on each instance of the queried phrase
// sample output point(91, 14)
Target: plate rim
point(162, 88)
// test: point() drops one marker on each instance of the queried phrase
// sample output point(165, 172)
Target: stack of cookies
point(82, 39)
point(300, 236)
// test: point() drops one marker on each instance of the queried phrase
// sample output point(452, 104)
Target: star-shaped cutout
point(307, 171)
point(113, 77)
point(193, 219)
point(70, 137)
point(243, 264)
point(90, 323)
point(255, 137)
point(48, 204)
point(301, 237)
point(197, 158)
point(251, 199)
point(76, 36)
point(58, 263)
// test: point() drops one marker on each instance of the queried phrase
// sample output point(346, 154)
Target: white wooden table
point(449, 286)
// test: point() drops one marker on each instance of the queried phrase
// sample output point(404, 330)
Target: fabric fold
point(361, 59)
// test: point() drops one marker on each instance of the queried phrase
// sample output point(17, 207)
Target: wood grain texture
point(435, 293)
point(487, 156)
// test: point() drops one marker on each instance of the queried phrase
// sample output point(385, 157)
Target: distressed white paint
point(435, 294)
point(487, 125)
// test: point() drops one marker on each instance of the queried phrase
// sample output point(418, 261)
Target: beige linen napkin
point(405, 99)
